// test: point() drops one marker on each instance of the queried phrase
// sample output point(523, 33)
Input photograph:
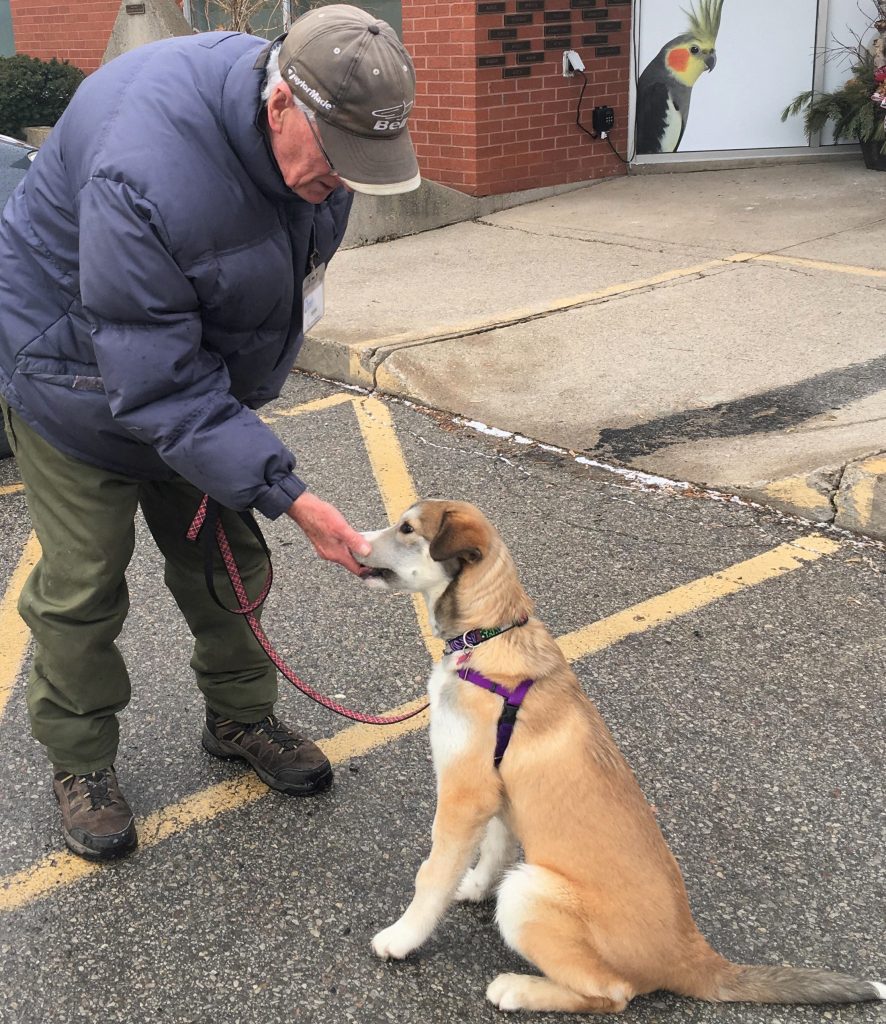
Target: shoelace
point(275, 732)
point(270, 726)
point(96, 787)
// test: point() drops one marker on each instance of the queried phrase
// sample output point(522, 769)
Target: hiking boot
point(97, 822)
point(282, 759)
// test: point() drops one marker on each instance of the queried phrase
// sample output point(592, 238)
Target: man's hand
point(328, 530)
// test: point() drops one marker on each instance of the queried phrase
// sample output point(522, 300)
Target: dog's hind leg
point(529, 992)
point(538, 917)
point(498, 850)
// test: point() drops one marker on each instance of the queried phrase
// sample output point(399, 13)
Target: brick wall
point(77, 31)
point(493, 112)
point(484, 132)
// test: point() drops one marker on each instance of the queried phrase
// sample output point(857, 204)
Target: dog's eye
point(406, 528)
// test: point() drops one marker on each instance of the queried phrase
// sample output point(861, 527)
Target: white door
point(765, 56)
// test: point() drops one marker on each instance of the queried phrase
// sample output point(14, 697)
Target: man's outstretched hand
point(328, 530)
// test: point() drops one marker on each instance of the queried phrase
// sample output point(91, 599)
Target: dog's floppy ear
point(460, 535)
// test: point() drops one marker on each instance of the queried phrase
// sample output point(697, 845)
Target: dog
point(598, 904)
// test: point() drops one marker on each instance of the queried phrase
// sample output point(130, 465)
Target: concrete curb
point(806, 495)
point(383, 218)
point(861, 499)
point(852, 497)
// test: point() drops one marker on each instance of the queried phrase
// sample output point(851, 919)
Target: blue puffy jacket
point(151, 270)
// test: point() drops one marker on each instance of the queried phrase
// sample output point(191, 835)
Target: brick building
point(493, 113)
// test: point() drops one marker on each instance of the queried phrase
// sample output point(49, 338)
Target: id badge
point(314, 300)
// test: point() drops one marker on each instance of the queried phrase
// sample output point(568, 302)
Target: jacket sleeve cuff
point(277, 499)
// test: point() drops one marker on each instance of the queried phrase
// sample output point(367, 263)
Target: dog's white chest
point(449, 729)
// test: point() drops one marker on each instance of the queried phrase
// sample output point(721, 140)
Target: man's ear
point(460, 536)
point(279, 102)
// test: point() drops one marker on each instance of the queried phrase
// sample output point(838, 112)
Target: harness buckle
point(509, 713)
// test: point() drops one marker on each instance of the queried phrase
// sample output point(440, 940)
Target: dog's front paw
point(394, 943)
point(506, 992)
point(473, 888)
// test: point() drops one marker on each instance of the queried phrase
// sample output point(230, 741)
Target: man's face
point(301, 161)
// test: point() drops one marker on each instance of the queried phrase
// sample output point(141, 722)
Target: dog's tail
point(734, 983)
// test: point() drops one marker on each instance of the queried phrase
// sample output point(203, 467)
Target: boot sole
point(113, 853)
point(231, 752)
point(128, 842)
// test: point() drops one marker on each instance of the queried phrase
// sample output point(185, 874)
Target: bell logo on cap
point(392, 119)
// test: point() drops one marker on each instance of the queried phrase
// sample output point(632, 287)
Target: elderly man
point(158, 267)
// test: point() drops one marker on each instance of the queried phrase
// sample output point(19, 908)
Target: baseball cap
point(351, 69)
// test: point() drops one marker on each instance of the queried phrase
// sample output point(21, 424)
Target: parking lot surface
point(738, 656)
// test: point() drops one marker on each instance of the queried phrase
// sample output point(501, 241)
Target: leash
point(207, 526)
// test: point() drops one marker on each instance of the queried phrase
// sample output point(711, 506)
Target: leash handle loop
point(213, 530)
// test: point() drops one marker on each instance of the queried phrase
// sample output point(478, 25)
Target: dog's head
point(449, 552)
point(428, 547)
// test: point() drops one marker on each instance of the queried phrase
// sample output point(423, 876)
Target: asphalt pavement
point(738, 655)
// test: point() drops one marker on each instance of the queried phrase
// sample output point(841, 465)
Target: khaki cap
point(351, 69)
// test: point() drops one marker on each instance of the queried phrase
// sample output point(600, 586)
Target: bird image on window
point(665, 87)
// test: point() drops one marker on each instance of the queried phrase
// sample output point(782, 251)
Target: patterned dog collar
point(469, 640)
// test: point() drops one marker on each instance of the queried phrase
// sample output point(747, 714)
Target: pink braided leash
point(248, 608)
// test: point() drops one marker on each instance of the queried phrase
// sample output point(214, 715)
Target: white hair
point(274, 77)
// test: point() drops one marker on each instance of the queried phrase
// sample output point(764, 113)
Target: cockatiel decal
point(665, 87)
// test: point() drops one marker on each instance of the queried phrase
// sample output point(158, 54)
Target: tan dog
point(599, 904)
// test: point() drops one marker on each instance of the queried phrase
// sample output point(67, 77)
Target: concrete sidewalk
point(722, 328)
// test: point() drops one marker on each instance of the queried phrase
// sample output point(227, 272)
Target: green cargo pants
point(76, 599)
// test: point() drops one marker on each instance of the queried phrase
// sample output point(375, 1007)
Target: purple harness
point(512, 698)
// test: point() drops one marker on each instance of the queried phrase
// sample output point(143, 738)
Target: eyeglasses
point(316, 135)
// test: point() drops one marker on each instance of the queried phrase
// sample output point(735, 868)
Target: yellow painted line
point(340, 398)
point(63, 868)
point(395, 485)
point(14, 634)
point(514, 316)
point(316, 405)
point(797, 492)
point(862, 493)
point(12, 489)
point(693, 596)
point(799, 261)
point(385, 456)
